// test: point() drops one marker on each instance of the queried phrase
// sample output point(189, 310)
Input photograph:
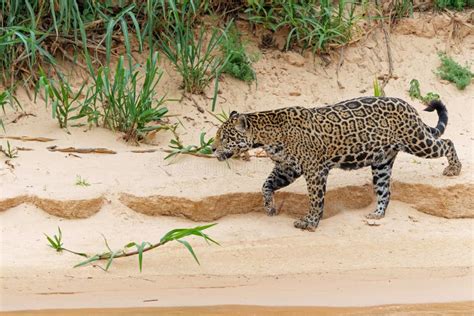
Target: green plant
point(81, 182)
point(125, 104)
point(402, 8)
point(239, 64)
point(177, 147)
point(221, 117)
point(450, 70)
point(9, 151)
point(63, 100)
point(178, 235)
point(193, 57)
point(378, 90)
point(309, 23)
point(415, 93)
point(33, 32)
point(455, 4)
point(7, 98)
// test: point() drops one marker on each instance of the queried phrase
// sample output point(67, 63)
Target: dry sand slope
point(421, 252)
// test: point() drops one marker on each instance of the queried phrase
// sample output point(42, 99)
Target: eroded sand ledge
point(455, 201)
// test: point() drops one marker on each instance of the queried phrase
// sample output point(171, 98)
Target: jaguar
point(356, 133)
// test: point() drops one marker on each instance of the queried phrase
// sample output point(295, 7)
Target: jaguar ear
point(242, 123)
point(233, 114)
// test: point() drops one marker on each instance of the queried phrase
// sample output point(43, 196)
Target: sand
point(421, 252)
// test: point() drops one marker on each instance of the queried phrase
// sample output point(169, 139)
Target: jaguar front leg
point(316, 181)
point(282, 175)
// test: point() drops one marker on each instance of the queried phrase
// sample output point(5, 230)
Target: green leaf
point(90, 260)
point(188, 246)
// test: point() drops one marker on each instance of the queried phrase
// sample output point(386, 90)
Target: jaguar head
point(233, 137)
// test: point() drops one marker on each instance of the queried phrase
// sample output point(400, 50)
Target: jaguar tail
point(443, 117)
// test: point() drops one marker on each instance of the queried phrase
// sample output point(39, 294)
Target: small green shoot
point(56, 242)
point(378, 90)
point(81, 182)
point(453, 72)
point(178, 235)
point(9, 151)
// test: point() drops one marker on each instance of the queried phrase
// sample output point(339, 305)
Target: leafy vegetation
point(193, 57)
point(239, 64)
point(63, 100)
point(7, 98)
point(415, 93)
point(454, 4)
point(33, 32)
point(450, 70)
point(121, 102)
point(177, 147)
point(309, 23)
point(109, 255)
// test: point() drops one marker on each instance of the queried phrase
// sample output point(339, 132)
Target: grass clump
point(194, 57)
point(109, 255)
point(309, 23)
point(33, 33)
point(64, 102)
point(238, 63)
point(124, 102)
point(454, 4)
point(415, 93)
point(452, 71)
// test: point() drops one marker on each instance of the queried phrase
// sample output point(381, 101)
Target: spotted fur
point(352, 134)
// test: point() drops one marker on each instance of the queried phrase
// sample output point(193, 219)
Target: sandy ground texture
point(421, 252)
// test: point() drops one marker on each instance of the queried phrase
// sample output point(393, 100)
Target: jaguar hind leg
point(282, 175)
point(430, 147)
point(381, 172)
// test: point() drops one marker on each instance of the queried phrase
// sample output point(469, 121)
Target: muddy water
point(455, 308)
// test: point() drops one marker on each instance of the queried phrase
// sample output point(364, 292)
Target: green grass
point(310, 24)
point(7, 99)
point(415, 93)
point(452, 71)
point(238, 63)
point(378, 89)
point(123, 101)
point(194, 56)
point(454, 4)
point(64, 102)
point(109, 255)
point(33, 33)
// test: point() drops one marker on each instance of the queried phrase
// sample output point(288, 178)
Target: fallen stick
point(82, 150)
point(28, 139)
point(143, 151)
